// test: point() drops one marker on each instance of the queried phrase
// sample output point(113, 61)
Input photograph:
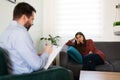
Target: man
point(18, 43)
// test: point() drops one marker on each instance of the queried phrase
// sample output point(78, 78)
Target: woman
point(92, 57)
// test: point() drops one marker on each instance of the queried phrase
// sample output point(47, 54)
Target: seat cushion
point(116, 64)
point(106, 67)
point(3, 64)
point(74, 54)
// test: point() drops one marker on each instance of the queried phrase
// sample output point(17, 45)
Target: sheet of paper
point(52, 56)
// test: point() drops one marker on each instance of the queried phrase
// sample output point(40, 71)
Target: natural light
point(72, 16)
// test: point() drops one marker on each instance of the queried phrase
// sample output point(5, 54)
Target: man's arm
point(25, 48)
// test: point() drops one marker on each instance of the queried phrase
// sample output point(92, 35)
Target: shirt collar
point(17, 25)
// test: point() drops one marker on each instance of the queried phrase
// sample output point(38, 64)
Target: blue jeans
point(90, 61)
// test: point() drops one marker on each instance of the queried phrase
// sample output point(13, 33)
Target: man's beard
point(27, 25)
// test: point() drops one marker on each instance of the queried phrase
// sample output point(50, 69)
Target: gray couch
point(111, 51)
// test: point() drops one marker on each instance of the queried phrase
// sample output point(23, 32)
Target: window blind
point(85, 16)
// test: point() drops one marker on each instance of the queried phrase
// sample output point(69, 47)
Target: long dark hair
point(22, 8)
point(82, 46)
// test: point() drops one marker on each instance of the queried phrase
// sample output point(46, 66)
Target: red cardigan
point(89, 47)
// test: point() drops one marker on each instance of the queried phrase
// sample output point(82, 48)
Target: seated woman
point(92, 57)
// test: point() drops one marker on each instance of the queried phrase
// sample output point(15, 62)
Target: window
point(72, 16)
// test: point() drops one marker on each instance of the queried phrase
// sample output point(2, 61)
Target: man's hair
point(22, 9)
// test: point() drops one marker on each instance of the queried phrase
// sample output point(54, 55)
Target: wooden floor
point(97, 75)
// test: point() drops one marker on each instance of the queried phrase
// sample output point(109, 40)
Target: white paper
point(52, 56)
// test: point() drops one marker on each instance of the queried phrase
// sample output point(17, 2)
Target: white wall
point(6, 12)
point(109, 18)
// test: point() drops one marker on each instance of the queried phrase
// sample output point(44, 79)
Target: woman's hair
point(80, 33)
point(82, 45)
point(22, 8)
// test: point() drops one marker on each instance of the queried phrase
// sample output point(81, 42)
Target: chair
point(56, 73)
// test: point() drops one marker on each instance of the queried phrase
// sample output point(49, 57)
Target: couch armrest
point(63, 59)
point(57, 73)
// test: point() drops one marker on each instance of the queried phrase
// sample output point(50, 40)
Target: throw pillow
point(74, 54)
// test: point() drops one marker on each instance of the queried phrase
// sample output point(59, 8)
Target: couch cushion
point(116, 64)
point(74, 54)
point(106, 67)
point(3, 65)
point(110, 49)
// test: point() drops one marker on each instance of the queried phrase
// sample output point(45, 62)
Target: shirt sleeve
point(95, 50)
point(25, 48)
point(70, 43)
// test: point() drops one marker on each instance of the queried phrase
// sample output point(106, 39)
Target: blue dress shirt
point(23, 56)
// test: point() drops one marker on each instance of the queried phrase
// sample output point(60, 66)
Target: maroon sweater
point(89, 47)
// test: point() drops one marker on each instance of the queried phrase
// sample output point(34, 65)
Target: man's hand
point(48, 49)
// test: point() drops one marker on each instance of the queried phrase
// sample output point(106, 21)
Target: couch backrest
point(3, 63)
point(110, 49)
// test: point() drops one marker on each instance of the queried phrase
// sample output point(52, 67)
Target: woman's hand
point(78, 42)
point(90, 52)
